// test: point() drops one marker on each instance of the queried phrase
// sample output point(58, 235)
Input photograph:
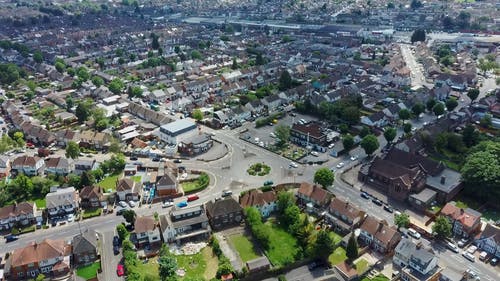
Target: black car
point(156, 159)
point(120, 212)
point(365, 195)
point(116, 250)
point(133, 158)
point(116, 241)
point(177, 161)
point(388, 209)
point(11, 238)
point(377, 202)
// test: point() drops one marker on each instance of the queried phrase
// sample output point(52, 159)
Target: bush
point(91, 213)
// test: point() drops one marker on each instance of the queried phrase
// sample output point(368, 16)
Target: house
point(272, 102)
point(403, 252)
point(17, 214)
point(377, 119)
point(59, 166)
point(256, 107)
point(224, 213)
point(158, 96)
point(85, 165)
point(127, 190)
point(344, 216)
point(489, 240)
point(315, 194)
point(310, 134)
point(85, 249)
point(196, 144)
point(28, 165)
point(166, 185)
point(92, 197)
point(379, 235)
point(4, 166)
point(50, 257)
point(423, 200)
point(184, 224)
point(62, 201)
point(265, 202)
point(258, 264)
point(147, 231)
point(422, 266)
point(465, 222)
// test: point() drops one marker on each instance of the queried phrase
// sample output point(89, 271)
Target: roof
point(425, 195)
point(393, 171)
point(411, 160)
point(491, 231)
point(258, 263)
point(144, 224)
point(61, 196)
point(47, 249)
point(125, 184)
point(15, 210)
point(345, 209)
point(422, 257)
point(451, 178)
point(165, 182)
point(25, 161)
point(179, 125)
point(468, 217)
point(314, 192)
point(84, 242)
point(312, 128)
point(222, 207)
point(91, 192)
point(379, 229)
point(256, 197)
point(405, 247)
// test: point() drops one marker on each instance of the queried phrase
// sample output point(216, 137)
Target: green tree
point(324, 177)
point(348, 142)
point(82, 111)
point(197, 114)
point(351, 114)
point(291, 217)
point(259, 60)
point(284, 200)
point(430, 104)
point(473, 93)
point(167, 264)
point(324, 245)
point(352, 248)
point(282, 135)
point(390, 134)
point(235, 64)
point(72, 150)
point(129, 216)
point(438, 109)
point(155, 44)
point(418, 35)
point(18, 137)
point(364, 132)
point(402, 220)
point(134, 91)
point(86, 179)
point(404, 114)
point(369, 143)
point(122, 232)
point(285, 81)
point(481, 171)
point(196, 55)
point(116, 86)
point(37, 56)
point(40, 277)
point(441, 227)
point(83, 73)
point(470, 135)
point(451, 104)
point(97, 81)
point(407, 128)
point(69, 103)
point(115, 146)
point(418, 109)
point(60, 66)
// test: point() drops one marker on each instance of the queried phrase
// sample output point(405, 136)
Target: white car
point(452, 247)
point(331, 145)
point(272, 135)
point(71, 217)
point(469, 256)
point(294, 165)
point(167, 204)
point(354, 157)
point(314, 153)
point(472, 249)
point(340, 165)
point(122, 204)
point(131, 204)
point(413, 233)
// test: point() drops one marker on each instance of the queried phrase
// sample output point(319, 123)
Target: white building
point(171, 132)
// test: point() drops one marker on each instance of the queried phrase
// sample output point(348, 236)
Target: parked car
point(314, 153)
point(452, 247)
point(116, 241)
point(377, 202)
point(268, 182)
point(116, 250)
point(182, 204)
point(120, 270)
point(330, 146)
point(354, 157)
point(131, 204)
point(177, 161)
point(413, 233)
point(133, 158)
point(120, 211)
point(469, 256)
point(365, 195)
point(462, 243)
point(472, 249)
point(39, 225)
point(71, 217)
point(388, 209)
point(167, 204)
point(122, 204)
point(483, 256)
point(340, 165)
point(494, 261)
point(193, 197)
point(227, 192)
point(11, 238)
point(293, 165)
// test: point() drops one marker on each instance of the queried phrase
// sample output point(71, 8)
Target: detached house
point(422, 266)
point(196, 144)
point(379, 235)
point(314, 194)
point(85, 248)
point(186, 224)
point(489, 240)
point(344, 216)
point(166, 185)
point(22, 214)
point(127, 189)
point(224, 213)
point(465, 222)
point(84, 165)
point(265, 202)
point(62, 201)
point(29, 165)
point(147, 231)
point(92, 197)
point(59, 166)
point(50, 257)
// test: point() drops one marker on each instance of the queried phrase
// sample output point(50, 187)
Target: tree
point(441, 227)
point(351, 114)
point(291, 217)
point(167, 264)
point(352, 248)
point(282, 135)
point(418, 35)
point(37, 56)
point(404, 114)
point(430, 104)
point(324, 245)
point(369, 143)
point(72, 150)
point(122, 232)
point(134, 91)
point(116, 86)
point(407, 128)
point(470, 136)
point(451, 104)
point(86, 179)
point(402, 220)
point(415, 4)
point(485, 122)
point(285, 81)
point(83, 73)
point(259, 60)
point(285, 199)
point(324, 177)
point(418, 109)
point(155, 44)
point(82, 111)
point(69, 103)
point(129, 216)
point(60, 66)
point(438, 109)
point(390, 134)
point(115, 146)
point(40, 277)
point(18, 137)
point(196, 55)
point(197, 114)
point(364, 131)
point(235, 64)
point(348, 142)
point(473, 94)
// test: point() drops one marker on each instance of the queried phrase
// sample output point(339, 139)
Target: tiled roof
point(467, 217)
point(345, 208)
point(257, 198)
point(222, 207)
point(144, 224)
point(16, 210)
point(47, 249)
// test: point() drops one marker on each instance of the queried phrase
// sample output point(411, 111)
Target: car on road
point(268, 182)
point(116, 241)
point(452, 247)
point(131, 204)
point(365, 195)
point(122, 204)
point(377, 201)
point(340, 165)
point(156, 160)
point(133, 158)
point(120, 270)
point(193, 197)
point(354, 157)
point(116, 250)
point(167, 204)
point(177, 161)
point(413, 233)
point(331, 145)
point(11, 238)
point(388, 209)
point(472, 249)
point(293, 165)
point(71, 217)
point(182, 204)
point(227, 192)
point(314, 153)
point(494, 261)
point(472, 275)
point(469, 256)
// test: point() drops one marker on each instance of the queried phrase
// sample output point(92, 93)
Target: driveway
point(108, 259)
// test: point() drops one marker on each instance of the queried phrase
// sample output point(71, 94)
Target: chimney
point(380, 226)
point(443, 179)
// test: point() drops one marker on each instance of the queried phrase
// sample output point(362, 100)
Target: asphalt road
point(109, 260)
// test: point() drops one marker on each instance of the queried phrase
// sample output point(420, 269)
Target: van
point(192, 198)
point(469, 256)
point(413, 233)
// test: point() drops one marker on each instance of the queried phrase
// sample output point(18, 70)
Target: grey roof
point(190, 221)
point(451, 182)
point(178, 125)
point(450, 274)
point(223, 207)
point(422, 257)
point(405, 247)
point(183, 211)
point(257, 263)
point(61, 197)
point(85, 242)
point(425, 195)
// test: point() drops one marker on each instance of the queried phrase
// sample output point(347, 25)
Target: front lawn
point(137, 179)
point(335, 237)
point(197, 184)
point(244, 247)
point(282, 246)
point(89, 271)
point(337, 256)
point(109, 183)
point(40, 203)
point(379, 277)
point(201, 264)
point(189, 186)
point(361, 266)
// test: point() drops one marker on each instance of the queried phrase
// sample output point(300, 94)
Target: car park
point(452, 247)
point(388, 209)
point(469, 256)
point(413, 233)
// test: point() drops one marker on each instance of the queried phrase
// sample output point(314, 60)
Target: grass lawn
point(335, 237)
point(147, 269)
point(337, 256)
point(89, 271)
point(491, 215)
point(379, 277)
point(190, 186)
point(109, 183)
point(90, 213)
point(461, 205)
point(361, 266)
point(282, 246)
point(244, 247)
point(202, 264)
point(136, 178)
point(40, 203)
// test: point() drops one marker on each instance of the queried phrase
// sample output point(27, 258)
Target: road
point(417, 76)
point(109, 260)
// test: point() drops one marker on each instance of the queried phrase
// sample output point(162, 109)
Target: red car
point(192, 198)
point(120, 270)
